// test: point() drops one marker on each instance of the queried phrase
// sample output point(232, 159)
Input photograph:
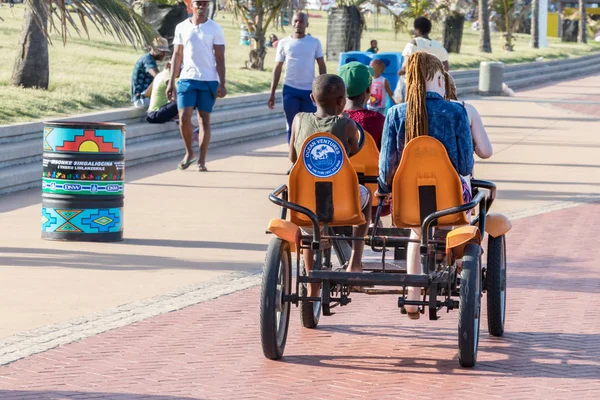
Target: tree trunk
point(508, 36)
point(453, 32)
point(164, 18)
point(344, 29)
point(535, 21)
point(485, 44)
point(31, 68)
point(582, 35)
point(570, 29)
point(256, 56)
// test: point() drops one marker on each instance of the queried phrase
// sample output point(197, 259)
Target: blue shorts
point(197, 94)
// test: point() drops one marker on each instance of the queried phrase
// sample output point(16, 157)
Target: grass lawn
point(93, 74)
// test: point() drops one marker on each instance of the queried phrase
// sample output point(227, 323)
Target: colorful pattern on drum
point(59, 186)
point(107, 220)
point(78, 140)
point(83, 170)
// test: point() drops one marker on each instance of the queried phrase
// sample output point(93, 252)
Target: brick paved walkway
point(551, 348)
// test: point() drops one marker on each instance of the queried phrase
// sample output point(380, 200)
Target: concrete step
point(20, 177)
point(154, 150)
point(21, 165)
point(29, 148)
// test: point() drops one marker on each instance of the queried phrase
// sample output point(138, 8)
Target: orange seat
point(366, 162)
point(324, 181)
point(426, 182)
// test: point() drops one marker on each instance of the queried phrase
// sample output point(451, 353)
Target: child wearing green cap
point(357, 78)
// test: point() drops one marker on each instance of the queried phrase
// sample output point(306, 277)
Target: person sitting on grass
point(160, 109)
point(425, 113)
point(373, 49)
point(329, 94)
point(380, 89)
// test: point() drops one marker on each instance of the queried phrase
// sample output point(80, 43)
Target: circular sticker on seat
point(323, 157)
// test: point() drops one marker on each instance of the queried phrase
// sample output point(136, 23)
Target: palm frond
point(112, 17)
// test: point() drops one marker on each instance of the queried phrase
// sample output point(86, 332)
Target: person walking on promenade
point(299, 52)
point(200, 45)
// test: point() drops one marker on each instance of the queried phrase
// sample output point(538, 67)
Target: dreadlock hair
point(420, 68)
point(450, 87)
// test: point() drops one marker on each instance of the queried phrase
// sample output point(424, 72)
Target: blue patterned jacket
point(448, 123)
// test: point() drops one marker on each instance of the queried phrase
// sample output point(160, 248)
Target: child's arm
point(483, 146)
point(389, 91)
point(352, 137)
point(292, 154)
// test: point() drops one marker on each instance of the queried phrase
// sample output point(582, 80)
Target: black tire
point(274, 312)
point(310, 312)
point(496, 284)
point(470, 306)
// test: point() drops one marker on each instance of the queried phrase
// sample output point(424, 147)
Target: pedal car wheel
point(274, 311)
point(470, 307)
point(310, 311)
point(496, 284)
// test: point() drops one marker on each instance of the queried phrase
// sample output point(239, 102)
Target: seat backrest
point(324, 181)
point(366, 162)
point(425, 182)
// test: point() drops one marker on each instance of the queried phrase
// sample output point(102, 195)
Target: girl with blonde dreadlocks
point(425, 113)
point(481, 141)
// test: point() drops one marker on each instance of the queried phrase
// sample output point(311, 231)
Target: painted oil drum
point(83, 181)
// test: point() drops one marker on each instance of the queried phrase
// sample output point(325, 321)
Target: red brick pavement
point(551, 348)
point(587, 109)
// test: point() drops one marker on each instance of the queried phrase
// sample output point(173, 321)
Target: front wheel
point(470, 306)
point(274, 309)
point(496, 284)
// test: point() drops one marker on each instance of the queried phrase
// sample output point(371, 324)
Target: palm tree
point(582, 34)
point(115, 17)
point(485, 42)
point(257, 19)
point(535, 20)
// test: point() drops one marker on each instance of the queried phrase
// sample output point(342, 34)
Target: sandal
point(185, 165)
point(415, 315)
point(202, 168)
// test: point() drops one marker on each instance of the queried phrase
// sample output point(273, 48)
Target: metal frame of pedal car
point(428, 278)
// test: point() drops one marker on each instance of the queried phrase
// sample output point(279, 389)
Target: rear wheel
point(274, 311)
point(470, 306)
point(310, 311)
point(496, 284)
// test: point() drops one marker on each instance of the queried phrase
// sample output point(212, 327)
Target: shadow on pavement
point(573, 119)
point(540, 164)
point(202, 187)
point(516, 354)
point(111, 261)
point(524, 195)
point(197, 244)
point(64, 394)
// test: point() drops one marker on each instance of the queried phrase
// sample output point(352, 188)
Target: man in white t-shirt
point(422, 42)
point(299, 52)
point(200, 45)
